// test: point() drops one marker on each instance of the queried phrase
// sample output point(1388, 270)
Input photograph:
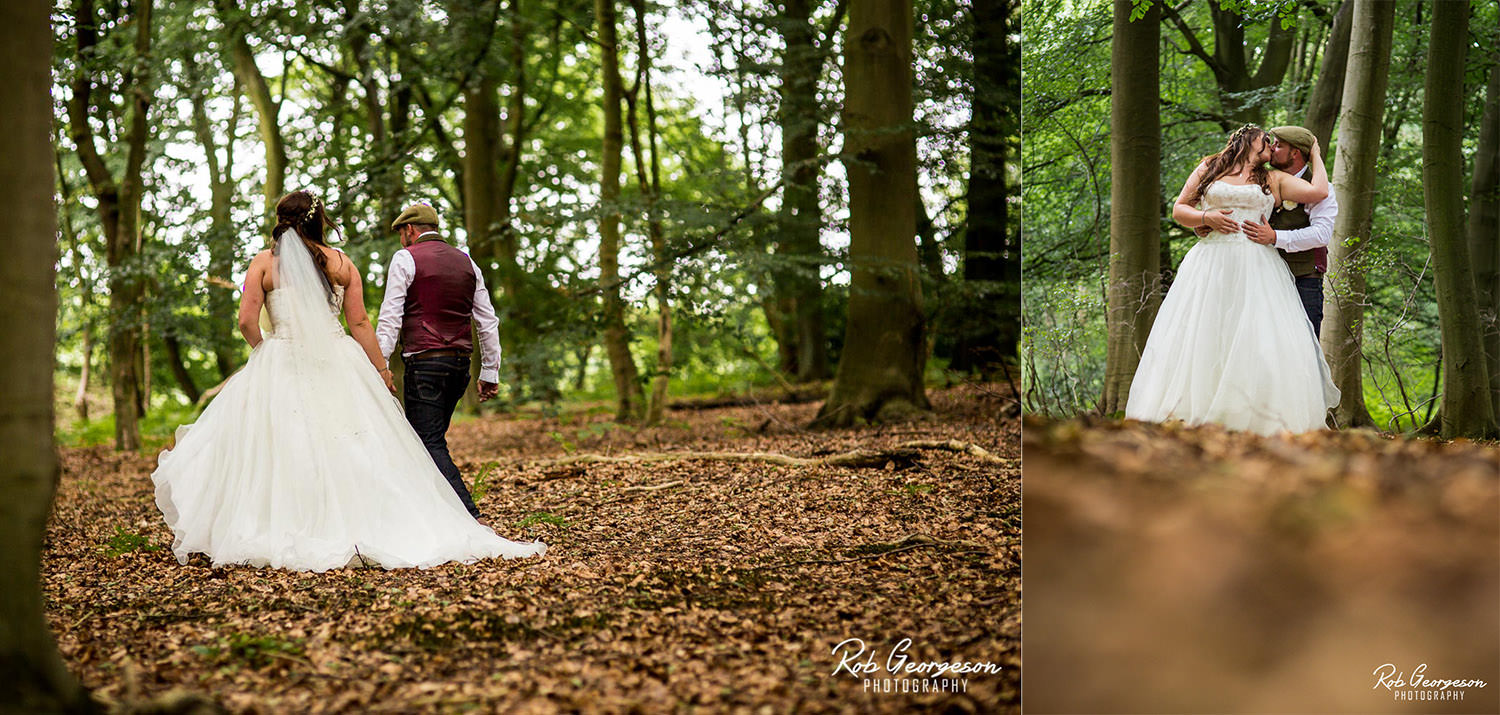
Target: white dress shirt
point(1319, 232)
point(398, 278)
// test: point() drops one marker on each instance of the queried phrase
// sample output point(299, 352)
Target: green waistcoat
point(1302, 263)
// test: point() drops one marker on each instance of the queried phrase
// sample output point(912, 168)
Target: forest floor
point(1176, 569)
point(671, 586)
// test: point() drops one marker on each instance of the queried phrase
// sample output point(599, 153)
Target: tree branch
point(1195, 47)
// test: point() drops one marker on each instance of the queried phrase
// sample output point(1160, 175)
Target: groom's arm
point(1317, 234)
point(398, 278)
point(489, 330)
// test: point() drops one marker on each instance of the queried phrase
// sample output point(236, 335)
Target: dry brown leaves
point(1174, 569)
point(685, 597)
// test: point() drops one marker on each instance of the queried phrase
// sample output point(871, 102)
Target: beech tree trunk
point(119, 207)
point(1484, 231)
point(801, 219)
point(1354, 182)
point(990, 322)
point(629, 397)
point(1323, 106)
point(1135, 199)
point(879, 375)
point(1466, 410)
point(33, 677)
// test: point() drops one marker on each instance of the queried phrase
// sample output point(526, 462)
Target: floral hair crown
point(312, 211)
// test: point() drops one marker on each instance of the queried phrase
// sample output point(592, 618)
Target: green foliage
point(541, 517)
point(250, 650)
point(157, 427)
point(125, 542)
point(481, 485)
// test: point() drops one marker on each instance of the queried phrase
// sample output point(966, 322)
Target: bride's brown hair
point(1242, 143)
point(303, 213)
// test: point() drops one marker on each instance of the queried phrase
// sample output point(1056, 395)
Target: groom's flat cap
point(416, 213)
point(1297, 136)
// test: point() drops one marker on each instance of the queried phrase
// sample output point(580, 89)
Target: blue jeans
point(1311, 290)
point(432, 391)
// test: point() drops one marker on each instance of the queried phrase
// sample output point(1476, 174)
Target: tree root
point(953, 445)
point(901, 456)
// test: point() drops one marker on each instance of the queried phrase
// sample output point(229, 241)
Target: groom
point(432, 291)
point(1301, 232)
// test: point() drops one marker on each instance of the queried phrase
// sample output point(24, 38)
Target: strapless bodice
point(1246, 202)
point(276, 298)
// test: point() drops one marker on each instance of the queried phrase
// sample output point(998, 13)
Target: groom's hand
point(1260, 233)
point(488, 390)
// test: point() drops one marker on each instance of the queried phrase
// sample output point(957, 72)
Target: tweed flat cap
point(1298, 137)
point(416, 213)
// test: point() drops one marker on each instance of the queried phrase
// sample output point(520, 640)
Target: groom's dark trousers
point(1307, 267)
point(434, 385)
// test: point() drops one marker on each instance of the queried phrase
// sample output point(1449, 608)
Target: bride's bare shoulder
point(340, 265)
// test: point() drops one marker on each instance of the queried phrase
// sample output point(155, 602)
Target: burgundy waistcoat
point(440, 301)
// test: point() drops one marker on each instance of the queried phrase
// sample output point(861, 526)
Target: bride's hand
point(1220, 221)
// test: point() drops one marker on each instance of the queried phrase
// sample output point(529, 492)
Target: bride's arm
point(1302, 191)
point(359, 320)
point(1190, 216)
point(252, 298)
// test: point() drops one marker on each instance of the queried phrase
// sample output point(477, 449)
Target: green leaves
point(126, 542)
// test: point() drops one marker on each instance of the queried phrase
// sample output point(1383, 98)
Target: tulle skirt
point(1233, 345)
point(306, 462)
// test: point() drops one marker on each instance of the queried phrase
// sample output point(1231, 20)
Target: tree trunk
point(34, 678)
point(1466, 410)
point(1484, 230)
point(81, 397)
point(267, 110)
point(221, 239)
point(85, 292)
point(119, 205)
point(1135, 199)
point(879, 376)
point(180, 369)
point(801, 219)
point(650, 186)
point(1323, 106)
point(616, 337)
point(989, 322)
point(1354, 184)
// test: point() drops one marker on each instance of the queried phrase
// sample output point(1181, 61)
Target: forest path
point(1176, 569)
point(652, 594)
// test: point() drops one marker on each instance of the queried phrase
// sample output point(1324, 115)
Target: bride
point(1231, 343)
point(304, 460)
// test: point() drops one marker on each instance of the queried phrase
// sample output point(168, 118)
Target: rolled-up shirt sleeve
point(1318, 233)
point(398, 277)
point(489, 329)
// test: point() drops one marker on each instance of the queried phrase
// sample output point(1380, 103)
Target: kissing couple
point(1236, 341)
point(305, 460)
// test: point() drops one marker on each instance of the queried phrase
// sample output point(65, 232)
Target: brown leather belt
point(448, 352)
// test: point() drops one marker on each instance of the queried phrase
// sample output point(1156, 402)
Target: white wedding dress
point(305, 461)
point(1232, 343)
